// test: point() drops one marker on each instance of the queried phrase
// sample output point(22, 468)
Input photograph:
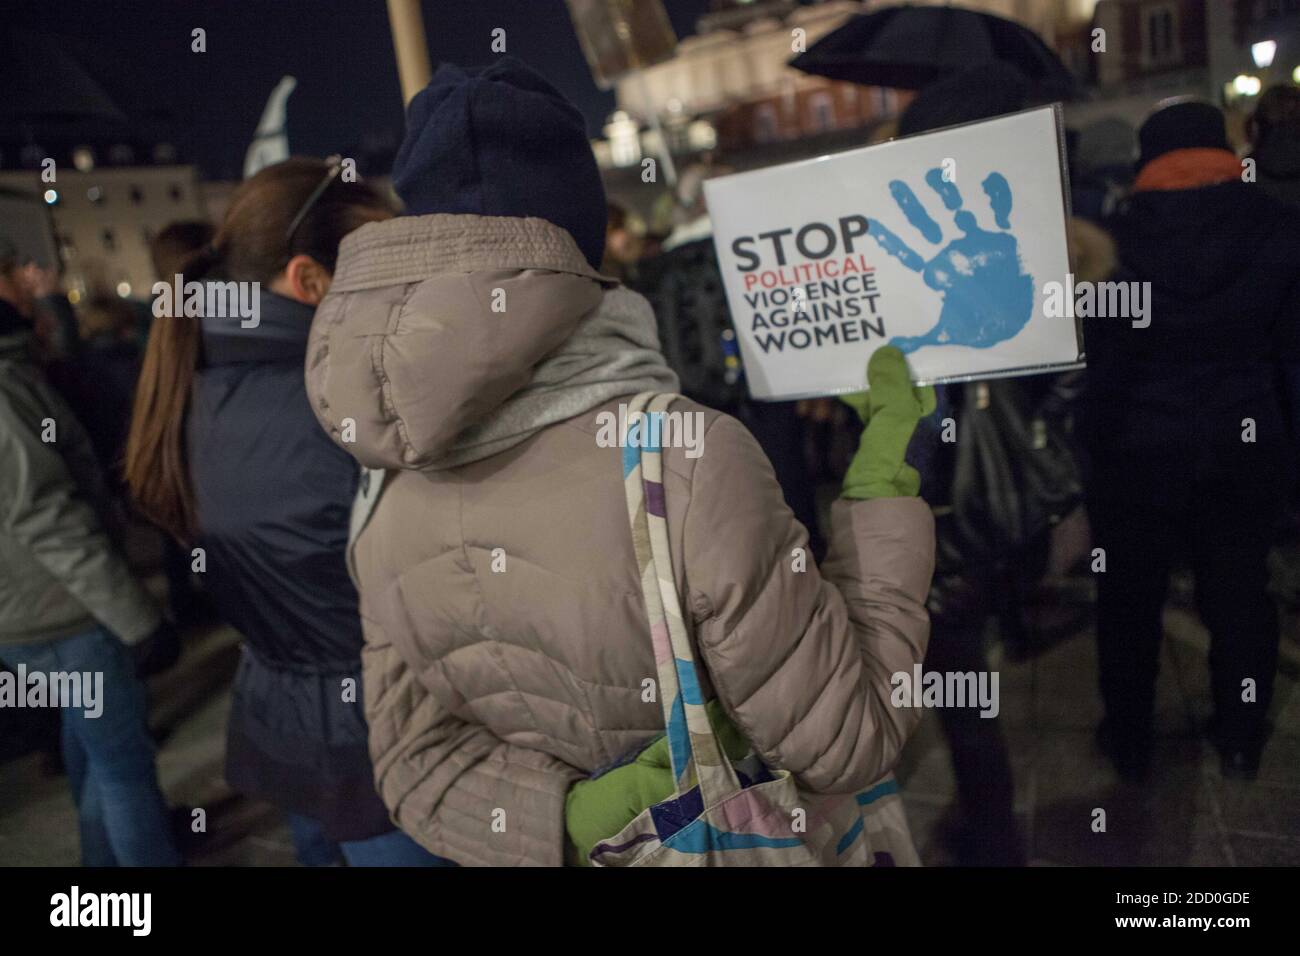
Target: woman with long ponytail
point(225, 453)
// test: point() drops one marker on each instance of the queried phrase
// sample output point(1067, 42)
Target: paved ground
point(1186, 815)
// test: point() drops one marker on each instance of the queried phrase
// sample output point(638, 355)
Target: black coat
point(1166, 403)
point(273, 495)
point(1277, 165)
point(99, 383)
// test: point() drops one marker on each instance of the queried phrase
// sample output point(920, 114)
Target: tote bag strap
point(697, 754)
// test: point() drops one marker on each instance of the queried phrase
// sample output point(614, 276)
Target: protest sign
point(939, 244)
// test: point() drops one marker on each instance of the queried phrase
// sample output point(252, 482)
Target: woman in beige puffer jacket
point(473, 358)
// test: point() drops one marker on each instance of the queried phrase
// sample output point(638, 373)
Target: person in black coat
point(1275, 142)
point(98, 378)
point(225, 453)
point(1188, 431)
point(272, 496)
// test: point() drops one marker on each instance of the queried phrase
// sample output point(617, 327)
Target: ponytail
point(156, 469)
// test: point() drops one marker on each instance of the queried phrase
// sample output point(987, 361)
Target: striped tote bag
point(724, 813)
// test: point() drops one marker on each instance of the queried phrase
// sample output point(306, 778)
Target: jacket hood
point(448, 338)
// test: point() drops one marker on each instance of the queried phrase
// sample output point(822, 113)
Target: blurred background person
point(1101, 166)
point(1274, 131)
point(98, 378)
point(1000, 492)
point(54, 321)
point(68, 602)
point(225, 454)
point(1188, 433)
point(624, 243)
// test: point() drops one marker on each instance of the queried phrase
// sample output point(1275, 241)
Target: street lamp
point(1263, 52)
point(1246, 85)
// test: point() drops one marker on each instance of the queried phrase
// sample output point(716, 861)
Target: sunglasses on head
point(335, 167)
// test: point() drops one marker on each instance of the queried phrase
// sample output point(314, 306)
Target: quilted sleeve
point(453, 786)
point(801, 658)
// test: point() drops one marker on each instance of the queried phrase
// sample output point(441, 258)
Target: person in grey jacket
point(76, 627)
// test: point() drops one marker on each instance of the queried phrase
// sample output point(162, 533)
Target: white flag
point(271, 141)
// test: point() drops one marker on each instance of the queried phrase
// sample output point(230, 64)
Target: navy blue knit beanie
point(501, 141)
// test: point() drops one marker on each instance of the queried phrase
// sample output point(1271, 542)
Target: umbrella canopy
point(909, 47)
point(42, 83)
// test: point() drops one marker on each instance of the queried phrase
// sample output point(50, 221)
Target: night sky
point(341, 51)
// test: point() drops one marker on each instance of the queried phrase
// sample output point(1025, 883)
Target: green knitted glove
point(890, 408)
point(598, 808)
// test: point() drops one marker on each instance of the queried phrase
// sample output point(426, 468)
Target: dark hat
point(1189, 124)
point(501, 141)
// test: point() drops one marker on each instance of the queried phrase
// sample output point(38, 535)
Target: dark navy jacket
point(1166, 404)
point(273, 495)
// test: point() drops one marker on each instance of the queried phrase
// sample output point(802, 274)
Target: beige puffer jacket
point(506, 639)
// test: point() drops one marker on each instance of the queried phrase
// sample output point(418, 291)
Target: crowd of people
point(391, 486)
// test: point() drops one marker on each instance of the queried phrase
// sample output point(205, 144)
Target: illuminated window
point(1160, 35)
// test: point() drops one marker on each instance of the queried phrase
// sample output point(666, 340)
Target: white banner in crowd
point(939, 244)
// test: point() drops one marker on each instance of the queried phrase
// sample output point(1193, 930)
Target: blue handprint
point(987, 296)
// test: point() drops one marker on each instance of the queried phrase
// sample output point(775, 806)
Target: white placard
point(940, 244)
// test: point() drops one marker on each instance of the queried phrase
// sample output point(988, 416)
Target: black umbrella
point(909, 47)
point(41, 83)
